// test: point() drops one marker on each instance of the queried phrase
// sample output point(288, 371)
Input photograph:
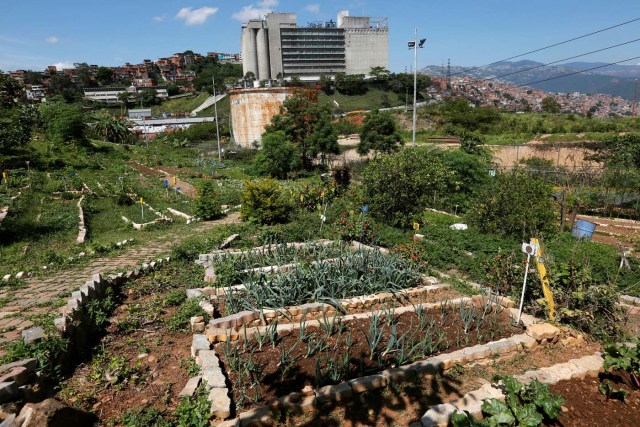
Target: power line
point(549, 46)
point(578, 72)
point(561, 60)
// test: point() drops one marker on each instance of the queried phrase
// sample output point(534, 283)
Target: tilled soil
point(586, 406)
point(275, 378)
point(407, 403)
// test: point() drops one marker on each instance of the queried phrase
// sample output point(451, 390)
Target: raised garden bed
point(261, 369)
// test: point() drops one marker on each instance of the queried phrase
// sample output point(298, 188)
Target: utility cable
point(549, 46)
point(578, 72)
point(560, 60)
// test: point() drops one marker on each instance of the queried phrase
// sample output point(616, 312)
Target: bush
point(514, 204)
point(278, 156)
point(401, 185)
point(207, 204)
point(264, 202)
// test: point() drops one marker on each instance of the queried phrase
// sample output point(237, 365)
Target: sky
point(38, 33)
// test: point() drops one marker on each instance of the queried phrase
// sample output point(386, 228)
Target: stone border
point(440, 415)
point(190, 219)
point(82, 230)
point(75, 324)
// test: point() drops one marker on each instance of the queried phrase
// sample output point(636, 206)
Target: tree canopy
point(379, 133)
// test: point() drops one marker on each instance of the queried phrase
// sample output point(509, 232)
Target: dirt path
point(21, 306)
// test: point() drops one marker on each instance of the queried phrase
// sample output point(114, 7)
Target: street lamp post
point(414, 44)
point(215, 109)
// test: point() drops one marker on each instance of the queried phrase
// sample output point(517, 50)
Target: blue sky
point(37, 33)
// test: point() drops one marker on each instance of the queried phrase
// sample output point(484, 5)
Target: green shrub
point(278, 156)
point(264, 202)
point(514, 204)
point(207, 204)
point(399, 186)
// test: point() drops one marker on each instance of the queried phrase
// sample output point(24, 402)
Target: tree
point(379, 133)
point(16, 120)
point(207, 204)
point(352, 84)
point(149, 96)
point(173, 89)
point(32, 78)
point(550, 105)
point(63, 123)
point(112, 129)
point(403, 184)
point(85, 74)
point(470, 142)
point(326, 83)
point(380, 73)
point(298, 118)
point(104, 75)
point(249, 78)
point(514, 204)
point(278, 156)
point(324, 139)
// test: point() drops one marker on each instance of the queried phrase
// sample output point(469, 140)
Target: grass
point(371, 100)
point(186, 104)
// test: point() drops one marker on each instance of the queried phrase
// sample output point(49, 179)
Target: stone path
point(41, 293)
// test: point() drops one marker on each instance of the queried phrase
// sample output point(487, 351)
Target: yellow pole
point(542, 272)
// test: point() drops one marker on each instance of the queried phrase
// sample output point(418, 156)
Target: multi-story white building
point(277, 47)
point(110, 94)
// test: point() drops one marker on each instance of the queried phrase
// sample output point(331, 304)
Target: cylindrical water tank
point(249, 51)
point(262, 44)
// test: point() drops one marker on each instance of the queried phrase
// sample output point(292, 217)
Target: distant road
point(208, 103)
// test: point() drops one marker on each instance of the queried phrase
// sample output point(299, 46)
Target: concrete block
point(524, 340)
point(438, 415)
point(220, 403)
point(334, 393)
point(30, 365)
point(371, 382)
point(191, 386)
point(541, 331)
point(61, 323)
point(19, 375)
point(589, 365)
point(258, 417)
point(214, 378)
point(427, 367)
point(33, 335)
point(399, 375)
point(208, 359)
point(198, 343)
point(194, 293)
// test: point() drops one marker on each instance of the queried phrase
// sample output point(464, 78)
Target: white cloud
point(268, 3)
point(313, 8)
point(63, 65)
point(160, 18)
point(196, 17)
point(252, 12)
point(52, 40)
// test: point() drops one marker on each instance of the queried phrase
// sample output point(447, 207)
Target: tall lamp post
point(215, 108)
point(412, 45)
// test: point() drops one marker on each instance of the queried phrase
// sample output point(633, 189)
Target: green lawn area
point(188, 104)
point(373, 99)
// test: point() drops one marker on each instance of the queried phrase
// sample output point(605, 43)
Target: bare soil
point(586, 406)
point(156, 361)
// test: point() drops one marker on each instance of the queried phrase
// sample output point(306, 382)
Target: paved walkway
point(41, 294)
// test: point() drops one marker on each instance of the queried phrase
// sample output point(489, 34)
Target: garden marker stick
point(142, 207)
point(529, 250)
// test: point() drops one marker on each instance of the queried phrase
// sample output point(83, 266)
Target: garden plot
point(326, 317)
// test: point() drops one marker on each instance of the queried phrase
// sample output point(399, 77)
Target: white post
point(215, 108)
point(142, 207)
point(524, 288)
point(415, 81)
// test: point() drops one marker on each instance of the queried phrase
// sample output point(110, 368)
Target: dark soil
point(586, 406)
point(408, 402)
point(271, 378)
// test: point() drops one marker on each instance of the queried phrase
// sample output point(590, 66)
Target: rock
point(220, 403)
point(199, 342)
point(30, 364)
point(438, 415)
point(334, 393)
point(191, 386)
point(541, 331)
point(33, 335)
point(19, 375)
point(8, 391)
point(53, 413)
point(371, 382)
point(228, 241)
point(152, 359)
point(194, 293)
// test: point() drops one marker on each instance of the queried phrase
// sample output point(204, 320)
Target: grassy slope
point(179, 105)
point(369, 101)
